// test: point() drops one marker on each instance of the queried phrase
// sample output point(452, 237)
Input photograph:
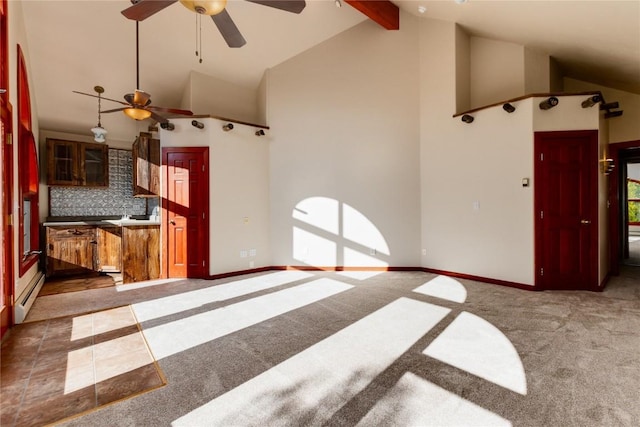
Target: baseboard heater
point(26, 299)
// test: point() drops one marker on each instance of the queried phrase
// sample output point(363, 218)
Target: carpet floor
point(296, 348)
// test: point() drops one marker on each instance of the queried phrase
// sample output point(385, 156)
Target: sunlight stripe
point(165, 306)
point(414, 401)
point(311, 386)
point(180, 335)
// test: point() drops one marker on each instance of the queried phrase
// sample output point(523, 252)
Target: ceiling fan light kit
point(211, 7)
point(137, 113)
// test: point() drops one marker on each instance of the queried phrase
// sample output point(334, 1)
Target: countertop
point(116, 222)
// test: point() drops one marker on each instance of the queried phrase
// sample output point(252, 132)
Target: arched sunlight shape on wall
point(329, 233)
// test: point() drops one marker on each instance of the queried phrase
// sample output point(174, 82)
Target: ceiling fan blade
point(157, 117)
point(293, 6)
point(145, 8)
point(170, 110)
point(228, 29)
point(114, 110)
point(102, 97)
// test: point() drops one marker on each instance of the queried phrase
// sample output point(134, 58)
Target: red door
point(186, 211)
point(566, 208)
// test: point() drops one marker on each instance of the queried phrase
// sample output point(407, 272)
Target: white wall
point(238, 189)
point(623, 128)
point(537, 72)
point(497, 71)
point(208, 95)
point(461, 164)
point(344, 120)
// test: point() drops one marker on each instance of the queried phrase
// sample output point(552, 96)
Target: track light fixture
point(167, 126)
point(609, 105)
point(591, 101)
point(227, 127)
point(197, 124)
point(260, 132)
point(610, 114)
point(508, 107)
point(467, 118)
point(549, 103)
point(338, 3)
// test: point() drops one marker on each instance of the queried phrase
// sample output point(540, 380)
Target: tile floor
point(58, 368)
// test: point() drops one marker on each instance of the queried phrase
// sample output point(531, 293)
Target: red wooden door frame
point(166, 206)
point(615, 213)
point(7, 251)
point(591, 170)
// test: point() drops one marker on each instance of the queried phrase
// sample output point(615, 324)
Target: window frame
point(28, 178)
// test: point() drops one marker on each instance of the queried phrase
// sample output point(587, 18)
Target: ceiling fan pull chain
point(196, 28)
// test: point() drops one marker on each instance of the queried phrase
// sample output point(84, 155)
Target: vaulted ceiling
point(75, 45)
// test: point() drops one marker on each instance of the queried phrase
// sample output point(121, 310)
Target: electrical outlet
point(372, 251)
point(424, 252)
point(251, 264)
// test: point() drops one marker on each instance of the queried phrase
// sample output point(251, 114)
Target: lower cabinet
point(132, 250)
point(109, 242)
point(70, 250)
point(140, 253)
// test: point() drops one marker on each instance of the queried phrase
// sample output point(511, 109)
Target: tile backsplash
point(115, 200)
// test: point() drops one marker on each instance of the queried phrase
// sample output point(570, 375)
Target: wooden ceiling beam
point(383, 12)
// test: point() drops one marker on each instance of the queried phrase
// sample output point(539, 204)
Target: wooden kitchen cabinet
point(140, 253)
point(70, 250)
point(75, 163)
point(146, 166)
point(109, 249)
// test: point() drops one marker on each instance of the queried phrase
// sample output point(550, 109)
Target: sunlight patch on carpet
point(180, 335)
point(476, 346)
point(311, 386)
point(414, 401)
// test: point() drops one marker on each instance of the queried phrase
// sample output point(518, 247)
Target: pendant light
point(99, 133)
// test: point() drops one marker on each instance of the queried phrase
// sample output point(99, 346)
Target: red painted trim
point(482, 279)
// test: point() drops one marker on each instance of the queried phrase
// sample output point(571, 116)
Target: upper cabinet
point(77, 163)
point(146, 166)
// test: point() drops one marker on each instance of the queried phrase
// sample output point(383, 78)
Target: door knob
point(585, 221)
point(172, 222)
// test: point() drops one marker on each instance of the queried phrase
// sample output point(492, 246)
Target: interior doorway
point(566, 208)
point(625, 206)
point(185, 211)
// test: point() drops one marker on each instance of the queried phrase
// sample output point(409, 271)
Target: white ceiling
point(75, 45)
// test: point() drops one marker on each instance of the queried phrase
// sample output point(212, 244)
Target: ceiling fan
point(138, 105)
point(142, 9)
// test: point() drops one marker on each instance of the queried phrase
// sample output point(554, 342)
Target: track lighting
point(227, 127)
point(609, 105)
point(508, 107)
point(610, 114)
point(167, 126)
point(549, 103)
point(338, 3)
point(197, 124)
point(591, 101)
point(467, 118)
point(260, 132)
